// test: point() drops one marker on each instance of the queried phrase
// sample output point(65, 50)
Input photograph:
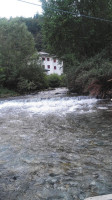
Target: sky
point(15, 8)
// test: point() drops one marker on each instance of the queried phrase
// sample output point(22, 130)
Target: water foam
point(47, 106)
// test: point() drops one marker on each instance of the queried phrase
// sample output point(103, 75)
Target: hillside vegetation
point(79, 32)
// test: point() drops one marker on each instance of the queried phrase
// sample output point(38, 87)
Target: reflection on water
point(53, 146)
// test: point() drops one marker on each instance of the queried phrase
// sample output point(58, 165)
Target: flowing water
point(55, 146)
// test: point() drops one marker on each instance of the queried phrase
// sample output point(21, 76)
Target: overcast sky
point(14, 8)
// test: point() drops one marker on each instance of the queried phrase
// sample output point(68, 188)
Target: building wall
point(51, 64)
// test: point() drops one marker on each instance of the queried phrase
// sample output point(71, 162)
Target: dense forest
point(79, 32)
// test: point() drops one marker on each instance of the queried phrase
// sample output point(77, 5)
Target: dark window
point(43, 66)
point(43, 59)
point(48, 59)
point(54, 60)
point(55, 67)
point(48, 66)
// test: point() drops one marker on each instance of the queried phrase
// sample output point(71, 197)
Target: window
point(55, 67)
point(54, 60)
point(48, 66)
point(43, 66)
point(43, 59)
point(48, 59)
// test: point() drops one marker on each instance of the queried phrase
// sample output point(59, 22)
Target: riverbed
point(54, 146)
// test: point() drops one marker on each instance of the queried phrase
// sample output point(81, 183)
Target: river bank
point(5, 93)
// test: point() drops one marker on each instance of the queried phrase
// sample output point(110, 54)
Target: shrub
point(25, 86)
point(4, 92)
point(91, 76)
point(53, 80)
point(31, 78)
point(63, 80)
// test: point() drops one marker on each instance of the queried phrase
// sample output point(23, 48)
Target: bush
point(32, 78)
point(63, 80)
point(92, 76)
point(54, 80)
point(4, 92)
point(25, 86)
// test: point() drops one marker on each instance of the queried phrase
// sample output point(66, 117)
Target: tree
point(34, 26)
point(75, 31)
point(19, 66)
point(16, 46)
point(70, 32)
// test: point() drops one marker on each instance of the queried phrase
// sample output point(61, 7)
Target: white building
point(51, 64)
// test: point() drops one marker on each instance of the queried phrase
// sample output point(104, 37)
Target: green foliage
point(24, 85)
point(63, 80)
point(34, 27)
point(84, 44)
point(94, 70)
point(32, 78)
point(66, 33)
point(4, 92)
point(16, 46)
point(2, 76)
point(19, 62)
point(54, 80)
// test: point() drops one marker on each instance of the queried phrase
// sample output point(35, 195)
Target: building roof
point(46, 54)
point(43, 53)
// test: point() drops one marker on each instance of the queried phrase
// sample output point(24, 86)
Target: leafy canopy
point(69, 33)
point(19, 68)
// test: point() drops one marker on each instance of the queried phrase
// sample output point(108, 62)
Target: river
point(55, 146)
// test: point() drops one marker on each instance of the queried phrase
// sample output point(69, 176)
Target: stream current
point(55, 146)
